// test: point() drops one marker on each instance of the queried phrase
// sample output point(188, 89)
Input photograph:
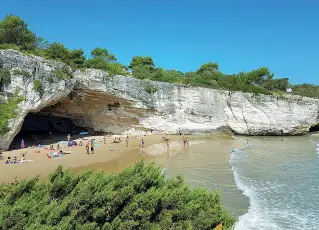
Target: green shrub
point(140, 72)
point(171, 76)
point(38, 86)
point(83, 69)
point(23, 73)
point(114, 68)
point(35, 52)
point(306, 90)
point(50, 79)
point(63, 73)
point(203, 82)
point(150, 89)
point(5, 77)
point(7, 112)
point(13, 30)
point(138, 198)
point(6, 46)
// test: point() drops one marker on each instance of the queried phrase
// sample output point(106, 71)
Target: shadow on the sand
point(43, 138)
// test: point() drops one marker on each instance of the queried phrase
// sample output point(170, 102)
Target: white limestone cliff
point(118, 103)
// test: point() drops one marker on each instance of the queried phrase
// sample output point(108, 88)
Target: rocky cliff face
point(99, 102)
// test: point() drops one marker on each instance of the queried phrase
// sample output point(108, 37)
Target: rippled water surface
point(279, 177)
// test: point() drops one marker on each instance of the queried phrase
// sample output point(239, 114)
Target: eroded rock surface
point(99, 102)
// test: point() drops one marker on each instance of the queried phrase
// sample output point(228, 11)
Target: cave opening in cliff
point(314, 128)
point(46, 129)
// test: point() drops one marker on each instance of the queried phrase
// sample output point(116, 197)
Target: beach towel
point(25, 161)
point(53, 155)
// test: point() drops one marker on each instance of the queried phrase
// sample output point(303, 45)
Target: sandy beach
point(103, 158)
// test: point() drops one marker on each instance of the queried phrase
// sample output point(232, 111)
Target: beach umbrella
point(22, 144)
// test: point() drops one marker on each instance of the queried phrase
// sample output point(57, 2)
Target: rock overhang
point(113, 104)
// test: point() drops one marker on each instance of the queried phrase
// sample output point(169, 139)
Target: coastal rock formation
point(101, 103)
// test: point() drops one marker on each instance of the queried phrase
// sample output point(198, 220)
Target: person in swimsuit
point(92, 147)
point(8, 161)
point(87, 148)
point(126, 141)
point(23, 157)
point(143, 143)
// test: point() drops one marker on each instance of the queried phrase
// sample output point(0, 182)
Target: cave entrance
point(314, 128)
point(36, 130)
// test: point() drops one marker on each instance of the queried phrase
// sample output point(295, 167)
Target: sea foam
point(255, 218)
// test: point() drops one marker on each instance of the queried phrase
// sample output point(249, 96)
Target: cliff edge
point(92, 99)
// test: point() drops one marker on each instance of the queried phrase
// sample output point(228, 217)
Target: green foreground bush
point(138, 198)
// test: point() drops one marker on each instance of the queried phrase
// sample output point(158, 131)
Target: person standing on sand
point(143, 143)
point(87, 147)
point(92, 147)
point(22, 144)
point(126, 141)
point(104, 139)
point(187, 141)
point(69, 137)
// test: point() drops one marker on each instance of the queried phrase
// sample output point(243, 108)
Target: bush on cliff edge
point(7, 112)
point(137, 198)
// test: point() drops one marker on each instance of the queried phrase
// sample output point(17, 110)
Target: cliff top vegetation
point(14, 34)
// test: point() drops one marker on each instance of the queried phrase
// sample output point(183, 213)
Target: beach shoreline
point(116, 159)
point(103, 159)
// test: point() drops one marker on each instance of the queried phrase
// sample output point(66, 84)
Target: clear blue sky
point(238, 34)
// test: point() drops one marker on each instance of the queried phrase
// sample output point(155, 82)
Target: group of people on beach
point(90, 146)
point(185, 141)
point(15, 159)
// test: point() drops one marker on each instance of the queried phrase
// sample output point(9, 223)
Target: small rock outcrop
point(102, 103)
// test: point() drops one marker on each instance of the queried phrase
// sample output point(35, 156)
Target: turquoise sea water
point(271, 183)
point(280, 176)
